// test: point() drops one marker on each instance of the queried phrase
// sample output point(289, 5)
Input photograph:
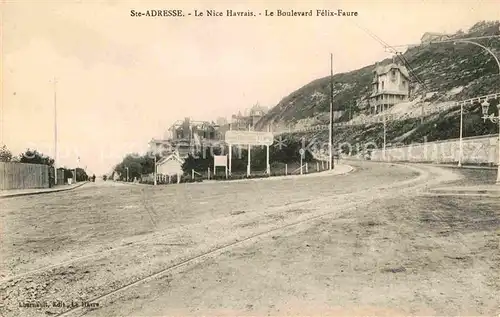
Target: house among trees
point(186, 135)
point(188, 130)
point(243, 122)
point(390, 86)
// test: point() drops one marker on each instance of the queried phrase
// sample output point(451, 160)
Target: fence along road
point(15, 175)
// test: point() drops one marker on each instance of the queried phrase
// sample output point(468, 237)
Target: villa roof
point(173, 156)
point(381, 70)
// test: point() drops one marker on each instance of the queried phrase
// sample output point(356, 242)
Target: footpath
point(36, 191)
point(465, 166)
point(340, 169)
point(465, 190)
point(475, 167)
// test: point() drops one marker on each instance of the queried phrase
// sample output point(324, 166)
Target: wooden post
point(286, 169)
point(208, 173)
point(317, 167)
point(268, 166)
point(178, 179)
point(248, 164)
point(306, 169)
point(169, 179)
point(192, 174)
point(230, 157)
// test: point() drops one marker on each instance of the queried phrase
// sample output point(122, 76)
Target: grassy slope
point(441, 67)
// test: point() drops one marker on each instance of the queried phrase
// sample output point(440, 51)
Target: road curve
point(146, 233)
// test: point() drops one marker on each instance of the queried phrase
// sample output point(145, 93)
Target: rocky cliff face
point(441, 72)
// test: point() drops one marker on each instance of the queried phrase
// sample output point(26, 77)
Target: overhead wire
point(398, 54)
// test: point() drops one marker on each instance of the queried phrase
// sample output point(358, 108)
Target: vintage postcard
point(250, 158)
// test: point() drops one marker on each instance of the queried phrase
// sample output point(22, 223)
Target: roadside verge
point(340, 169)
point(37, 191)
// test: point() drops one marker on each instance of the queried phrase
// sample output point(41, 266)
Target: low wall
point(15, 175)
point(475, 150)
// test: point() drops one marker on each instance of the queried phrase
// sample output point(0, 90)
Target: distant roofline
point(436, 33)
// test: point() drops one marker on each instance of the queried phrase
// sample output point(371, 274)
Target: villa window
point(382, 85)
point(404, 83)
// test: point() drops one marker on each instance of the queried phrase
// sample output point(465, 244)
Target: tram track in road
point(314, 212)
point(214, 252)
point(267, 212)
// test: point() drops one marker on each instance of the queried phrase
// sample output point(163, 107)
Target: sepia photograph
point(249, 158)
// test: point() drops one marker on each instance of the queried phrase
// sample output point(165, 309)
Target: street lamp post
point(495, 119)
point(462, 105)
point(461, 150)
point(385, 135)
point(330, 130)
point(55, 131)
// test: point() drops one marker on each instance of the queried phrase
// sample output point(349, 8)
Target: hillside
point(451, 72)
point(439, 126)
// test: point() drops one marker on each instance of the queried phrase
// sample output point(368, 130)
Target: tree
point(68, 173)
point(81, 175)
point(137, 165)
point(5, 154)
point(34, 157)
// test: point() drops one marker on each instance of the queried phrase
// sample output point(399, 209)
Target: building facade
point(244, 122)
point(189, 130)
point(189, 137)
point(390, 86)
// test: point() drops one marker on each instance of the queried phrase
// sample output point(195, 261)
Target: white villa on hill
point(390, 86)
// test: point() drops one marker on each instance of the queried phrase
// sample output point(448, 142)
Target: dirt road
point(362, 243)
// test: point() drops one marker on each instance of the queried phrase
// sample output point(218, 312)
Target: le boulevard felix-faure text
point(248, 13)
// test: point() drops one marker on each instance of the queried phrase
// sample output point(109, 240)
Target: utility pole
point(330, 135)
point(77, 164)
point(55, 130)
point(155, 175)
point(385, 131)
point(460, 153)
point(249, 149)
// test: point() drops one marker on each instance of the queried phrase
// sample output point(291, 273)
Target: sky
point(123, 80)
